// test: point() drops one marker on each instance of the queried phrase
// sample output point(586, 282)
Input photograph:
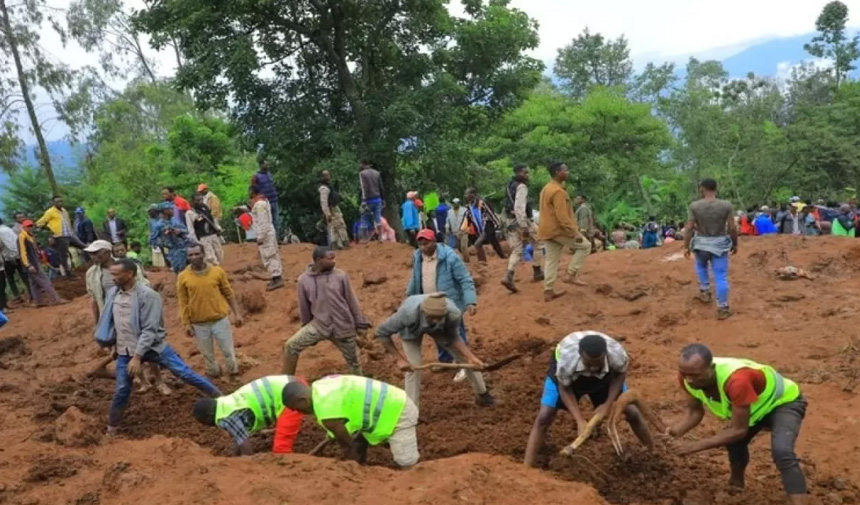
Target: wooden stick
point(447, 366)
point(589, 429)
point(319, 447)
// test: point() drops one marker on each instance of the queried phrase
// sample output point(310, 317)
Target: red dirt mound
point(645, 298)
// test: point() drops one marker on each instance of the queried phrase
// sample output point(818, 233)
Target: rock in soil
point(76, 429)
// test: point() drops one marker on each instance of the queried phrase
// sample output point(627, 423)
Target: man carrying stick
point(584, 363)
point(752, 397)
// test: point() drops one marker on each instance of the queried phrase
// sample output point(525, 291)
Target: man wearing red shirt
point(752, 397)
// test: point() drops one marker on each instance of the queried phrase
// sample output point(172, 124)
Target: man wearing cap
point(98, 278)
point(204, 230)
point(84, 228)
point(436, 316)
point(585, 363)
point(437, 268)
point(256, 406)
point(56, 219)
point(348, 405)
point(114, 227)
point(211, 201)
point(521, 228)
point(40, 285)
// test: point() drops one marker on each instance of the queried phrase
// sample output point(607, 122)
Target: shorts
point(552, 398)
point(375, 206)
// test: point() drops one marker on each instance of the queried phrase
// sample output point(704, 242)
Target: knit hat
point(435, 305)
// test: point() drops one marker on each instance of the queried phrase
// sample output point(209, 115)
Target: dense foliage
point(438, 102)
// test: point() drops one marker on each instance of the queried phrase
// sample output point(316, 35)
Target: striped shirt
point(569, 365)
point(238, 425)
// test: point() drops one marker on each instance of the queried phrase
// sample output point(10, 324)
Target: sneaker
point(485, 400)
point(461, 375)
point(111, 431)
point(724, 313)
point(549, 296)
point(275, 283)
point(705, 297)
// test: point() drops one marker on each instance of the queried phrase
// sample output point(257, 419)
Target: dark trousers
point(784, 424)
point(16, 267)
point(63, 244)
point(488, 237)
point(443, 355)
point(411, 237)
point(2, 290)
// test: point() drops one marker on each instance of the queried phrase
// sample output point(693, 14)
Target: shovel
point(441, 367)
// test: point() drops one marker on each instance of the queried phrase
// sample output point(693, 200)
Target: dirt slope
point(804, 328)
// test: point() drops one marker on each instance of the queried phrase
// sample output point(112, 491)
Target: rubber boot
point(509, 282)
point(275, 283)
point(538, 274)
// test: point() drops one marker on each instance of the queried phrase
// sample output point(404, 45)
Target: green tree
point(591, 60)
point(832, 41)
point(318, 83)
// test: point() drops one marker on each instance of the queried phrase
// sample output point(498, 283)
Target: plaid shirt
point(238, 425)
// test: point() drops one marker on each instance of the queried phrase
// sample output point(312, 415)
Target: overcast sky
point(657, 30)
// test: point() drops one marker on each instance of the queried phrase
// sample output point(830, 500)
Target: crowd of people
point(358, 411)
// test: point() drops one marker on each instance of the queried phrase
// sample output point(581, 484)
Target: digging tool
point(319, 447)
point(440, 367)
point(589, 429)
point(629, 398)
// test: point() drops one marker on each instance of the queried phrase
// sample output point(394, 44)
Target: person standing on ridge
point(266, 186)
point(454, 229)
point(205, 301)
point(481, 218)
point(558, 231)
point(84, 228)
point(329, 310)
point(56, 219)
point(585, 222)
point(40, 285)
point(211, 201)
point(267, 238)
point(410, 218)
point(204, 230)
point(751, 397)
point(178, 204)
point(372, 193)
point(521, 229)
point(256, 406)
point(333, 217)
point(114, 227)
point(716, 234)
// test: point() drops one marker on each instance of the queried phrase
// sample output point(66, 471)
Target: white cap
point(765, 208)
point(99, 245)
point(456, 200)
point(794, 199)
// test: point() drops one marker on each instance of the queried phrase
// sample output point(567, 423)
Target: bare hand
point(602, 410)
point(581, 427)
point(403, 365)
point(682, 448)
point(238, 322)
point(478, 363)
point(134, 366)
point(473, 310)
point(687, 254)
point(734, 250)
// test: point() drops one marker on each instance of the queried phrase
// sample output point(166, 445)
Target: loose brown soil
point(471, 454)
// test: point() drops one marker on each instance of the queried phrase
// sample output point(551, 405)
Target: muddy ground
point(52, 453)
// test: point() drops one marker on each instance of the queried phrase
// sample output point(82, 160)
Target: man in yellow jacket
point(56, 219)
point(752, 397)
point(557, 230)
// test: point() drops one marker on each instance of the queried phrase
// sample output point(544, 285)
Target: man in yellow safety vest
point(753, 397)
point(349, 405)
point(255, 406)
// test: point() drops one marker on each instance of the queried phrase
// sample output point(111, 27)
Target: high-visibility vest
point(836, 228)
point(778, 390)
point(262, 396)
point(369, 406)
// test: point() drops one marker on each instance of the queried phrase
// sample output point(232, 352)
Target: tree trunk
point(44, 157)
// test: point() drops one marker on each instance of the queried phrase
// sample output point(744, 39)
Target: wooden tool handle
point(447, 366)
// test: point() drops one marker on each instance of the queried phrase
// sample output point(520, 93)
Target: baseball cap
point(456, 200)
point(426, 234)
point(99, 245)
point(202, 187)
point(26, 223)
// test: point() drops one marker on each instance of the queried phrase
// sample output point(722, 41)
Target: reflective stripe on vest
point(368, 423)
point(267, 403)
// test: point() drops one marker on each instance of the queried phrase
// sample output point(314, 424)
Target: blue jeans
point(375, 205)
point(720, 266)
point(445, 356)
point(167, 359)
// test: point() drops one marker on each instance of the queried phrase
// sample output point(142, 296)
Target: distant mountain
point(766, 58)
point(65, 159)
